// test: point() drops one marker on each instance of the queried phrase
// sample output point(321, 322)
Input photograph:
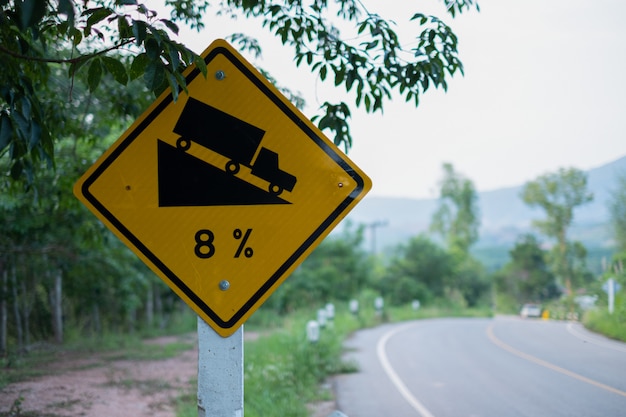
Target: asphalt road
point(503, 367)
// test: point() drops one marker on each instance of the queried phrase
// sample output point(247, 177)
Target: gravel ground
point(96, 385)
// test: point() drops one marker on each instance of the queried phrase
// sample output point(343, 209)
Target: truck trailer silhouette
point(232, 138)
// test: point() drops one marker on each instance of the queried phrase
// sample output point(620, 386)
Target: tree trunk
point(158, 306)
point(565, 267)
point(16, 311)
point(95, 317)
point(4, 295)
point(25, 314)
point(132, 320)
point(150, 305)
point(56, 307)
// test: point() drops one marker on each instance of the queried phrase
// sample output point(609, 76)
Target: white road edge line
point(393, 376)
point(593, 339)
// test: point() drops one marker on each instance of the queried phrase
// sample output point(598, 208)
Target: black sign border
point(174, 279)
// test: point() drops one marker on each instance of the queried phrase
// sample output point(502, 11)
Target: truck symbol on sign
point(233, 138)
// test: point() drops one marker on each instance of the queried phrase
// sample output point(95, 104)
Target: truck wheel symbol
point(275, 189)
point(183, 144)
point(233, 139)
point(232, 167)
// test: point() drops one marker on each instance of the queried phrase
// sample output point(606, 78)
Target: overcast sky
point(543, 89)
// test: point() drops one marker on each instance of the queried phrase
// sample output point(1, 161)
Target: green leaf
point(6, 131)
point(371, 45)
point(152, 49)
point(35, 135)
point(94, 74)
point(30, 12)
point(123, 27)
point(350, 78)
point(174, 59)
point(422, 18)
point(97, 15)
point(139, 31)
point(339, 75)
point(323, 72)
point(158, 35)
point(16, 170)
point(138, 67)
point(181, 81)
point(62, 28)
point(116, 68)
point(171, 80)
point(66, 7)
point(23, 127)
point(170, 25)
point(76, 36)
point(26, 109)
point(200, 64)
point(154, 76)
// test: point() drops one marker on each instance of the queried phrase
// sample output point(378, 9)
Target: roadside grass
point(404, 313)
point(610, 325)
point(107, 346)
point(146, 387)
point(16, 411)
point(149, 351)
point(17, 368)
point(185, 404)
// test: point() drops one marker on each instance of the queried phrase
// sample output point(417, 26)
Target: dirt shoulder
point(101, 384)
point(114, 384)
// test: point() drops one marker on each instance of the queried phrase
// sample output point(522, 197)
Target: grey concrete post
point(220, 373)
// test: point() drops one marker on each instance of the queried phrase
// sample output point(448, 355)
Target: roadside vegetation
point(432, 275)
point(68, 285)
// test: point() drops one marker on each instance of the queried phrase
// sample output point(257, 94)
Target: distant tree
point(617, 210)
point(421, 270)
point(424, 270)
point(527, 276)
point(338, 269)
point(470, 280)
point(558, 194)
point(457, 219)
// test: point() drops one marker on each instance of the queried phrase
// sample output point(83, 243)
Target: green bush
point(611, 325)
point(284, 371)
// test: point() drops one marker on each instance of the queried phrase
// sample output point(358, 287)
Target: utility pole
point(373, 226)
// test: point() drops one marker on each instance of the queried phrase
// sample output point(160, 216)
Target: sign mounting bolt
point(224, 285)
point(220, 75)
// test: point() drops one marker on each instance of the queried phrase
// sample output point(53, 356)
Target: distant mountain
point(504, 216)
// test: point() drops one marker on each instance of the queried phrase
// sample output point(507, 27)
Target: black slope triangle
point(188, 181)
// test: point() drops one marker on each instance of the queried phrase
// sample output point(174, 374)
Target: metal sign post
point(220, 372)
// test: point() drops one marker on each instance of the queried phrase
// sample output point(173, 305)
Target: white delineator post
point(611, 294)
point(220, 373)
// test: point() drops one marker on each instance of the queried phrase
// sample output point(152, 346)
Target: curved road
point(503, 367)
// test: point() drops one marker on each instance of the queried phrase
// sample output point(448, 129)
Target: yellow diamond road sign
point(223, 192)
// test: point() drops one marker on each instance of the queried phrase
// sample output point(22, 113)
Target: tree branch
point(62, 61)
